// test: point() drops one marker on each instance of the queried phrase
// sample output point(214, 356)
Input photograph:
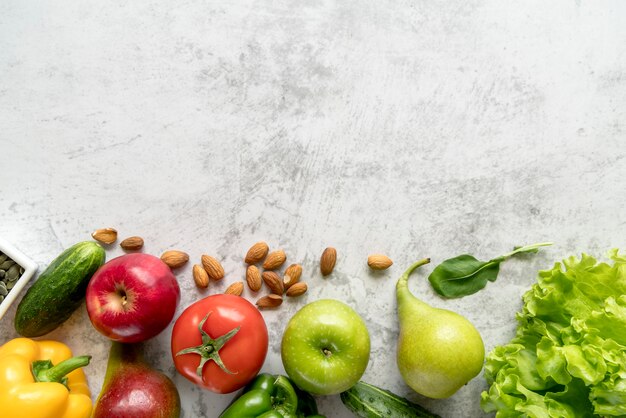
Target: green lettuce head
point(568, 357)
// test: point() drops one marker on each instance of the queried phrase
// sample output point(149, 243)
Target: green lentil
point(7, 264)
point(13, 273)
point(10, 272)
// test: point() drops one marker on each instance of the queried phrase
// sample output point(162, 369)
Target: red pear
point(132, 389)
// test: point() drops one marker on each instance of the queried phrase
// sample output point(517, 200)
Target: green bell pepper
point(269, 396)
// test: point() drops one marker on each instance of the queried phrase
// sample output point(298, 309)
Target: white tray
point(29, 266)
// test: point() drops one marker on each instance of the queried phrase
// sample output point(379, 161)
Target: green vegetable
point(45, 371)
point(269, 396)
point(464, 275)
point(568, 357)
point(249, 405)
point(59, 290)
point(368, 401)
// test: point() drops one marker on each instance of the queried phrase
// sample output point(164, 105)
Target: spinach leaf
point(464, 275)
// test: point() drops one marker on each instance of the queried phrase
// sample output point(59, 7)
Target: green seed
point(7, 264)
point(21, 270)
point(3, 289)
point(2, 273)
point(3, 257)
point(10, 285)
point(1, 298)
point(13, 273)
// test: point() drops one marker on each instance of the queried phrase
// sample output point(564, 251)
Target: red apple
point(132, 298)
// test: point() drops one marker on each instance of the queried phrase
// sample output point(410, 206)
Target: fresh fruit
point(132, 389)
point(200, 276)
point(132, 243)
point(325, 347)
point(369, 401)
point(175, 258)
point(213, 267)
point(132, 297)
point(439, 351)
point(59, 291)
point(105, 235)
point(269, 301)
point(220, 343)
point(379, 262)
point(274, 260)
point(328, 260)
point(257, 252)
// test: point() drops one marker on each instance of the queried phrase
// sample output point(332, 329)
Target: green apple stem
point(402, 285)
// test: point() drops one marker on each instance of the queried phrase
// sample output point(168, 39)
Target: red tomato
point(241, 352)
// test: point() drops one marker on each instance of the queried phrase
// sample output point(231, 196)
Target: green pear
point(439, 351)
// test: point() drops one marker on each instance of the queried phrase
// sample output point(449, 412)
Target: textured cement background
point(414, 128)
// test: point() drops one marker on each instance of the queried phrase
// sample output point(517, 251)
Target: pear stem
point(122, 353)
point(402, 285)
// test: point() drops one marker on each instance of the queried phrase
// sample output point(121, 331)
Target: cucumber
point(368, 401)
point(59, 290)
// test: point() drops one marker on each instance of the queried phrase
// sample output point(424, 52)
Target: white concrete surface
point(412, 128)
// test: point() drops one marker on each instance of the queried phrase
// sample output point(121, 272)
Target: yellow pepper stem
point(44, 371)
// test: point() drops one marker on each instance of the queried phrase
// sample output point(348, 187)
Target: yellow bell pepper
point(31, 388)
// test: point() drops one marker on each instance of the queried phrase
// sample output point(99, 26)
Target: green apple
point(325, 347)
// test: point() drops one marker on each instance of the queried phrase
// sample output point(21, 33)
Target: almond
point(200, 276)
point(212, 267)
point(234, 289)
point(379, 262)
point(257, 252)
point(253, 278)
point(269, 301)
point(175, 258)
point(274, 260)
point(328, 260)
point(292, 275)
point(132, 243)
point(297, 289)
point(272, 280)
point(105, 235)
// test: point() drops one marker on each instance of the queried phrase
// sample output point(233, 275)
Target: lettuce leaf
point(568, 357)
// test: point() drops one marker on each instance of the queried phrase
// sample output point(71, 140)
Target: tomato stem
point(209, 349)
